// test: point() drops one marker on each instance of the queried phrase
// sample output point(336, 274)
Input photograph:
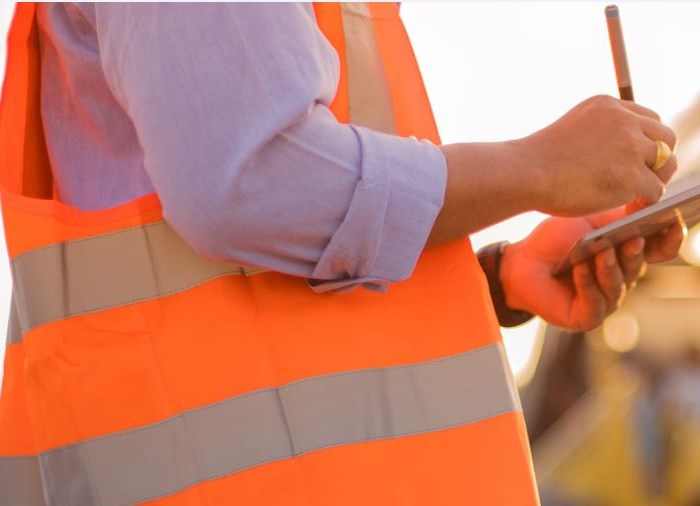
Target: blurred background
point(614, 414)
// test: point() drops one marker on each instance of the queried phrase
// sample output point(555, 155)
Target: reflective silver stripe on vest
point(106, 271)
point(20, 482)
point(369, 98)
point(14, 333)
point(270, 425)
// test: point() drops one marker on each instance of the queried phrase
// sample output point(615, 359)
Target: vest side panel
point(412, 110)
point(328, 17)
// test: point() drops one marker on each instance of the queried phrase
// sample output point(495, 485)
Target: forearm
point(595, 157)
point(486, 183)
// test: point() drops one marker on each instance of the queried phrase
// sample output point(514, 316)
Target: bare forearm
point(595, 157)
point(486, 183)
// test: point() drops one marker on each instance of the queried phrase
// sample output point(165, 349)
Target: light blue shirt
point(222, 109)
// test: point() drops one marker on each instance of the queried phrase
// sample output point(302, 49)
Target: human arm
point(226, 193)
point(595, 157)
point(230, 104)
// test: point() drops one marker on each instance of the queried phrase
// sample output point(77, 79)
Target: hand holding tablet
point(683, 207)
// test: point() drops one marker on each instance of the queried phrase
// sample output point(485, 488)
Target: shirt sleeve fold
point(395, 203)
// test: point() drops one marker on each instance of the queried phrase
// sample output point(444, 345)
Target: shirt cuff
point(395, 203)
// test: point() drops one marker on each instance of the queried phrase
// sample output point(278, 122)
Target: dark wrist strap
point(490, 260)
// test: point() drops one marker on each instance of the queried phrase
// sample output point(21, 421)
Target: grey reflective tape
point(369, 97)
point(14, 332)
point(20, 482)
point(106, 271)
point(274, 424)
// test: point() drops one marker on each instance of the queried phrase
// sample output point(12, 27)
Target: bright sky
point(501, 70)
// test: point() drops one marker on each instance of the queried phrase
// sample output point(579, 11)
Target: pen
point(617, 45)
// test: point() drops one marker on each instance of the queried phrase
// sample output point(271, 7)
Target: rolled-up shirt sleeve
point(230, 105)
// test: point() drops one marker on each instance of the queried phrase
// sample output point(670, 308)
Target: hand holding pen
point(664, 153)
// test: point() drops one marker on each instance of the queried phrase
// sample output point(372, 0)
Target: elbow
point(210, 227)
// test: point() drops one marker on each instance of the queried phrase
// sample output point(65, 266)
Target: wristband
point(489, 258)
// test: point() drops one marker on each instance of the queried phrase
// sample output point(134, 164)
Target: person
point(241, 262)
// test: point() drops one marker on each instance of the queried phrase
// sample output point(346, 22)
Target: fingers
point(593, 304)
point(669, 167)
point(632, 261)
point(600, 287)
point(610, 278)
point(654, 129)
point(658, 131)
point(650, 188)
point(665, 245)
point(640, 109)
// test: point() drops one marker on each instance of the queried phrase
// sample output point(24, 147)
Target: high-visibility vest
point(138, 372)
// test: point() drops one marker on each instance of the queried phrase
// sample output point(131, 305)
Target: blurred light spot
point(523, 346)
point(621, 331)
point(691, 247)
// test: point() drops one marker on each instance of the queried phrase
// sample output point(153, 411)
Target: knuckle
point(654, 115)
point(635, 140)
point(653, 192)
point(655, 195)
point(601, 102)
point(627, 134)
point(669, 168)
point(605, 99)
point(673, 140)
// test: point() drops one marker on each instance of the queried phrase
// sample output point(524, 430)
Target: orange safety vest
point(138, 372)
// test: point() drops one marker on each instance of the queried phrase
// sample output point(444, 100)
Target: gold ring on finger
point(663, 153)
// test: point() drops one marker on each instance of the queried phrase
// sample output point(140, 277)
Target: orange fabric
point(403, 74)
point(27, 136)
point(52, 222)
point(238, 348)
point(124, 367)
point(16, 435)
point(12, 115)
point(463, 471)
point(37, 180)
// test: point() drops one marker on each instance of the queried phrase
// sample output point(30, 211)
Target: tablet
point(645, 222)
